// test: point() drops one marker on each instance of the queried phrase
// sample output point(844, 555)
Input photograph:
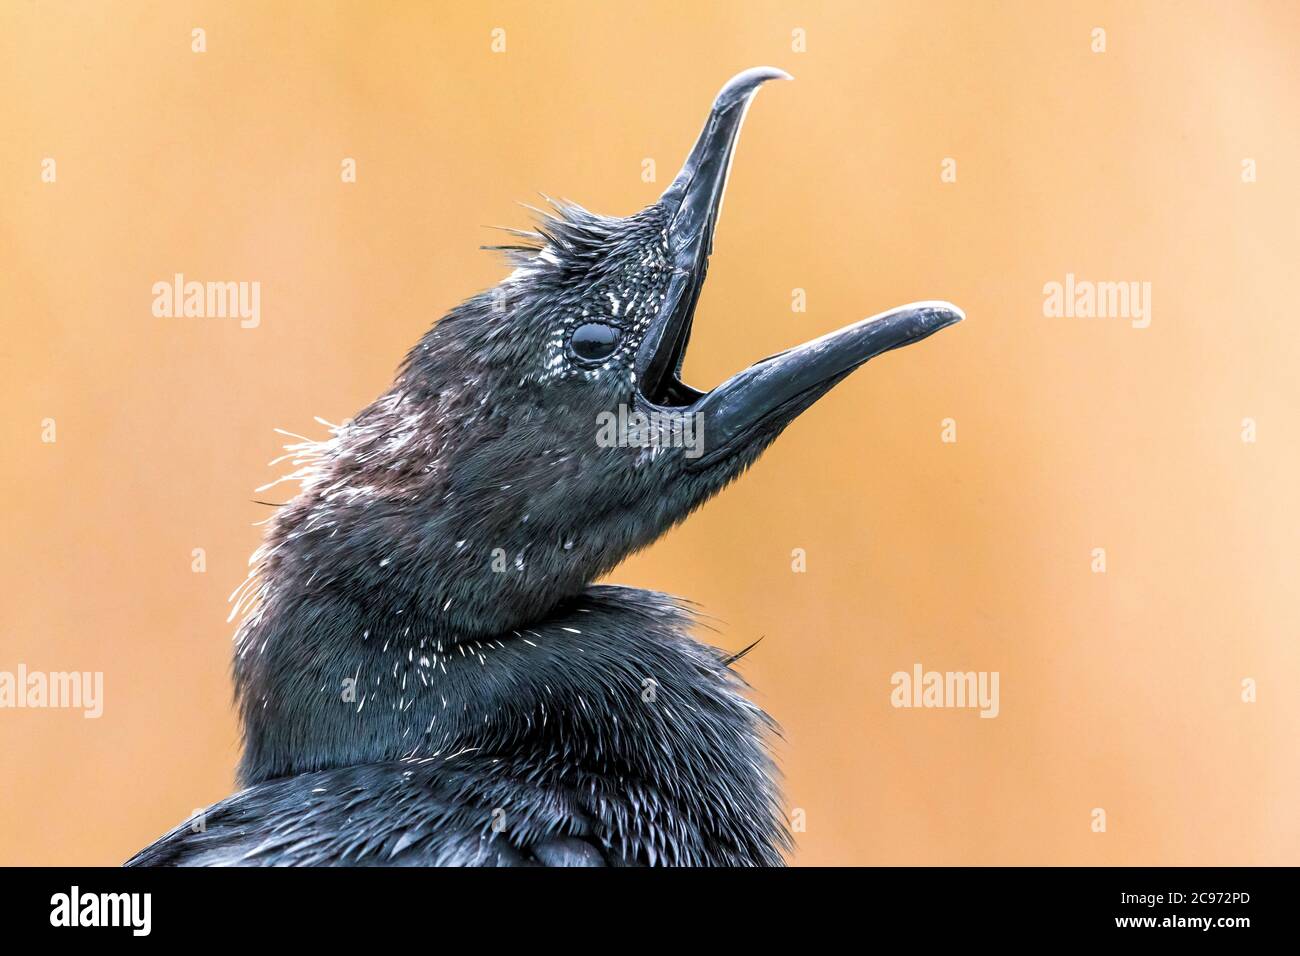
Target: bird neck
point(609, 686)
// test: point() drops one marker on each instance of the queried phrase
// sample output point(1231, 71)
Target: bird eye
point(594, 341)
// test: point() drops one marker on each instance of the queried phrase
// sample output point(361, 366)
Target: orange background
point(1119, 690)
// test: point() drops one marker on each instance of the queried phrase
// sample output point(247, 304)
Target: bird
point(426, 672)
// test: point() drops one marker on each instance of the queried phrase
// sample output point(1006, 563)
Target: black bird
point(425, 672)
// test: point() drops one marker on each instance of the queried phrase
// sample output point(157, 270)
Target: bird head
point(541, 431)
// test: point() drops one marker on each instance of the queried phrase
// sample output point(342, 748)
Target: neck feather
point(609, 686)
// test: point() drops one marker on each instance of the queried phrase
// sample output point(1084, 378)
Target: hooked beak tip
point(744, 84)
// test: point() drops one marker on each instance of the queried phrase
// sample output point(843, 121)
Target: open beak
point(770, 393)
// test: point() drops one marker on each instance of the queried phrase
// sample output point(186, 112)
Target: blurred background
point(1120, 691)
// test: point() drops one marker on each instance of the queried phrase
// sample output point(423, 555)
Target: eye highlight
point(594, 341)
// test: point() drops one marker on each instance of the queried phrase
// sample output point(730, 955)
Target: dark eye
point(594, 341)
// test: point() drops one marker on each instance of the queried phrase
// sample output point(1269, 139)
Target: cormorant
point(425, 672)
